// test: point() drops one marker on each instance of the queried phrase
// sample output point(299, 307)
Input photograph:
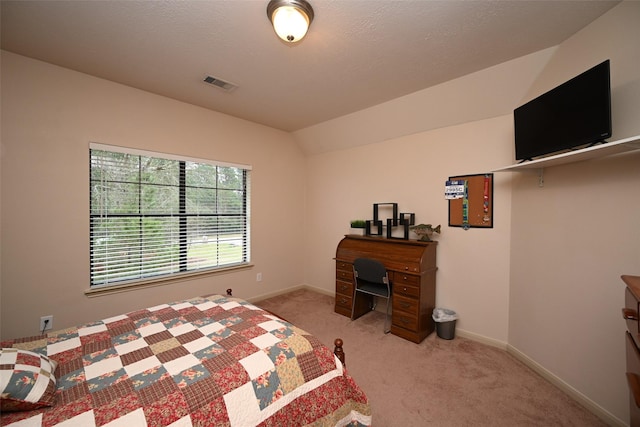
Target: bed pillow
point(26, 380)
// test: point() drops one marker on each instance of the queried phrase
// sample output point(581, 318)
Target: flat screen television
point(576, 113)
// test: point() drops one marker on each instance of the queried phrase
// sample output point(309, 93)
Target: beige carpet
point(438, 382)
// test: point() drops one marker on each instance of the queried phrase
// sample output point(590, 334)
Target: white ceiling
point(357, 54)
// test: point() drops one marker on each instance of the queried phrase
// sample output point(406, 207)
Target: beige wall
point(49, 115)
point(473, 265)
point(572, 239)
point(545, 281)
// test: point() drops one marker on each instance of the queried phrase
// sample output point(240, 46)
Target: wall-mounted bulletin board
point(475, 207)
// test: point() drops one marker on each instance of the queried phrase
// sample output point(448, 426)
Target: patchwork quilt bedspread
point(207, 361)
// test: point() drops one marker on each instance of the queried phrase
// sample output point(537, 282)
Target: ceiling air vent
point(226, 86)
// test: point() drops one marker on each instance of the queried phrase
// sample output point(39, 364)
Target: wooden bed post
point(338, 351)
point(229, 292)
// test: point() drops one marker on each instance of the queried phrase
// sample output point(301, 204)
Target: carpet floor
point(438, 382)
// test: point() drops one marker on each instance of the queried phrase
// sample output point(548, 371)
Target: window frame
point(182, 216)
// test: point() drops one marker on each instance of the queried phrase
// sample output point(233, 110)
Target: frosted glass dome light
point(290, 18)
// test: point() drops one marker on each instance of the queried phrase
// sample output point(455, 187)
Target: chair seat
point(373, 289)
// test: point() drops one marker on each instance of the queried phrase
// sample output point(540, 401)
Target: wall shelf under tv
point(602, 150)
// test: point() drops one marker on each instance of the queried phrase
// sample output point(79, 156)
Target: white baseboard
point(291, 289)
point(261, 297)
point(482, 339)
point(331, 293)
point(592, 406)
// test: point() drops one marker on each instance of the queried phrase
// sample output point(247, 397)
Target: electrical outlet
point(46, 323)
point(259, 277)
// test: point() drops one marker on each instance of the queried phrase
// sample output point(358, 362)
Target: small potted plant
point(359, 223)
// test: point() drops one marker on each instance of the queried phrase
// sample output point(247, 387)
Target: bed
point(207, 361)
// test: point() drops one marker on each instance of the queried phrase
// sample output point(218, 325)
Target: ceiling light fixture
point(290, 18)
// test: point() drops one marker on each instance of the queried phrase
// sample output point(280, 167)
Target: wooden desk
point(412, 270)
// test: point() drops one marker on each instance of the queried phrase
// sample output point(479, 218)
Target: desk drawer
point(344, 288)
point(405, 279)
point(345, 276)
point(345, 302)
point(408, 267)
point(407, 290)
point(405, 321)
point(406, 305)
point(633, 380)
point(342, 265)
point(630, 312)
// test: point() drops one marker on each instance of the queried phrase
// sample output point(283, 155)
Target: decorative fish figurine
point(424, 231)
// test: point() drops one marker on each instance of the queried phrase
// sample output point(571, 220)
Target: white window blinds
point(156, 215)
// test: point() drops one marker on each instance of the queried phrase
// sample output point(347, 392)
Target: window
point(156, 215)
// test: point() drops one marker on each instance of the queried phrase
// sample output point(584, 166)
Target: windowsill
point(150, 283)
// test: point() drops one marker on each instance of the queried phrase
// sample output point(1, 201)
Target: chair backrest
point(370, 270)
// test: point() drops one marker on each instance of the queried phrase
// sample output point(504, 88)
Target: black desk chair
point(371, 277)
